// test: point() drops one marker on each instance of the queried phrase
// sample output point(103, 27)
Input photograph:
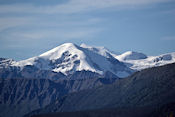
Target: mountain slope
point(152, 87)
point(21, 96)
point(99, 50)
point(166, 110)
point(68, 58)
point(29, 71)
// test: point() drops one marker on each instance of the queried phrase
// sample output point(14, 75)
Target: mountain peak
point(68, 44)
point(58, 51)
point(131, 55)
point(99, 50)
point(69, 58)
point(83, 45)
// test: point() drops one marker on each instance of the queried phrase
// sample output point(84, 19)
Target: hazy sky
point(31, 27)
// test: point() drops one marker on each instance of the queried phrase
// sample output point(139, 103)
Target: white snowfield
point(68, 58)
point(139, 61)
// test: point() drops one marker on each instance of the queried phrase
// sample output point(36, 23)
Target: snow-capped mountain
point(139, 61)
point(69, 58)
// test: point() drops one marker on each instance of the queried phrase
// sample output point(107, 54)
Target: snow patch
point(130, 55)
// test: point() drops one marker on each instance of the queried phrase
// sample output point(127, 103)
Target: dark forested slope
point(150, 91)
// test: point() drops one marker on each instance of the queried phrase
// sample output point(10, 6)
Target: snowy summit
point(68, 58)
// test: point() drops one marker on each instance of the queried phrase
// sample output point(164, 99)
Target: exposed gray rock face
point(4, 62)
point(33, 72)
point(152, 87)
point(29, 72)
point(22, 95)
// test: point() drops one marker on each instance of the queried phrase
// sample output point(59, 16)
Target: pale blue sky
point(31, 27)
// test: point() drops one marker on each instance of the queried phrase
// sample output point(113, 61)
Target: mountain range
point(69, 58)
point(46, 81)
